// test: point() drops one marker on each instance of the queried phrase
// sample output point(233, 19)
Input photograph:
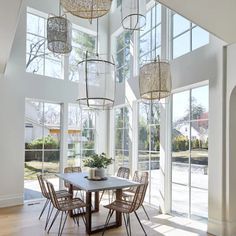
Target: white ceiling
point(216, 16)
point(9, 13)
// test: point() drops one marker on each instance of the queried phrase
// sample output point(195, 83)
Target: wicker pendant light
point(87, 9)
point(96, 81)
point(155, 80)
point(59, 34)
point(133, 14)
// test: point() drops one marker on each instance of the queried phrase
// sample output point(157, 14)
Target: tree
point(34, 53)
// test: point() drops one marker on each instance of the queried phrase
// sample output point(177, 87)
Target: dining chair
point(64, 206)
point(71, 169)
point(123, 172)
point(59, 194)
point(128, 207)
point(129, 193)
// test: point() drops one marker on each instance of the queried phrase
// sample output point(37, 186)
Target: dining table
point(93, 187)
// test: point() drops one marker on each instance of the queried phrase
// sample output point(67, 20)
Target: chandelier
point(59, 34)
point(87, 9)
point(96, 81)
point(133, 14)
point(155, 80)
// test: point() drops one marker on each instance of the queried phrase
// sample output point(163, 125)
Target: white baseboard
point(221, 228)
point(11, 200)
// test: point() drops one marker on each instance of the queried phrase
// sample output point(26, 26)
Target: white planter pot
point(100, 172)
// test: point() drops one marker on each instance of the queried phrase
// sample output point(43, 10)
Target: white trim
point(191, 86)
point(11, 200)
point(219, 228)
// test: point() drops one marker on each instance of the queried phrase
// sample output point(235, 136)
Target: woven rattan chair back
point(42, 186)
point(140, 191)
point(71, 170)
point(123, 172)
point(53, 195)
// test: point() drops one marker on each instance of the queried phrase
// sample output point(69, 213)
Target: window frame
point(192, 26)
point(45, 56)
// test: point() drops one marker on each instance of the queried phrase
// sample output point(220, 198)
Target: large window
point(81, 42)
point(123, 137)
point(186, 36)
point(81, 134)
point(190, 152)
point(39, 60)
point(123, 56)
point(149, 147)
point(42, 144)
point(150, 37)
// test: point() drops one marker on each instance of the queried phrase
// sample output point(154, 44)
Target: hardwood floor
point(23, 221)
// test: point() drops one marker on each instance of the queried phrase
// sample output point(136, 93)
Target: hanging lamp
point(59, 34)
point(155, 78)
point(133, 14)
point(96, 81)
point(87, 9)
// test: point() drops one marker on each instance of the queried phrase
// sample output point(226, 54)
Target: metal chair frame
point(59, 194)
point(65, 206)
point(128, 207)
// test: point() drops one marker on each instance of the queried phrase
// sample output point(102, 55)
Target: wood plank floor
point(23, 221)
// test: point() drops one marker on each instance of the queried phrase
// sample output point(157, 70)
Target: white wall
point(17, 85)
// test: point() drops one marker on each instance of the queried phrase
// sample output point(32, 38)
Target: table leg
point(71, 192)
point(96, 202)
point(88, 214)
point(118, 214)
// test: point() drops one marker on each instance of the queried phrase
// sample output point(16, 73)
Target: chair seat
point(63, 194)
point(70, 204)
point(120, 206)
point(128, 193)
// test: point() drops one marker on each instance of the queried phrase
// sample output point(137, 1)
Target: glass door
point(42, 145)
point(149, 147)
point(190, 152)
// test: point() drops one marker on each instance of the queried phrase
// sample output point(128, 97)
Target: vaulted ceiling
point(217, 17)
point(9, 14)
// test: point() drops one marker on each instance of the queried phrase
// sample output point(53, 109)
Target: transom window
point(123, 56)
point(81, 42)
point(186, 36)
point(150, 37)
point(39, 60)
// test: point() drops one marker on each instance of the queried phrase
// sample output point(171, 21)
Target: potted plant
point(97, 163)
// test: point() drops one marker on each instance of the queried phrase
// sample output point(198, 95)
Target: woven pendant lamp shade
point(96, 82)
point(155, 80)
point(87, 9)
point(59, 35)
point(133, 14)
